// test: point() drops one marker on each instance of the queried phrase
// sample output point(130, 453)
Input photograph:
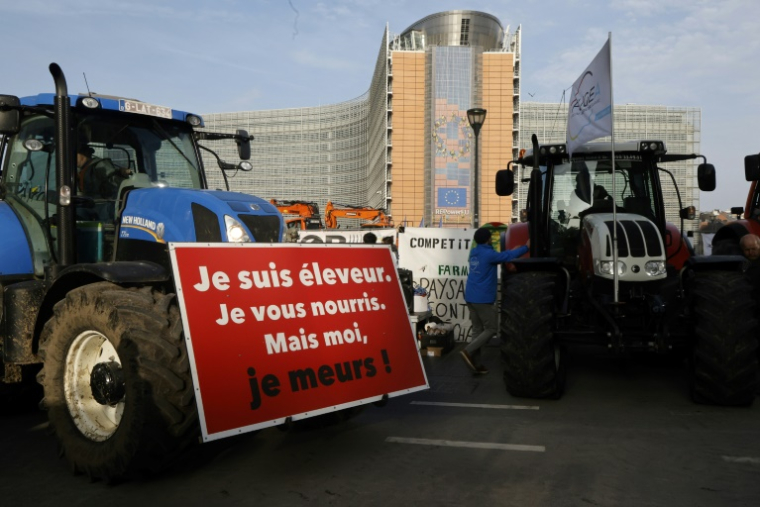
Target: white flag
point(589, 114)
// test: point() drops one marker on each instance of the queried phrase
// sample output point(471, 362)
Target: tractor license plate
point(132, 106)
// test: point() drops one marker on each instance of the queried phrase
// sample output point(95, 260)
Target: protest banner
point(291, 330)
point(438, 260)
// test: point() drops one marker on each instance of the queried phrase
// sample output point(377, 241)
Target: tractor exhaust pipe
point(64, 163)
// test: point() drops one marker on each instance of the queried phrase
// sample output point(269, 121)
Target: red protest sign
point(279, 330)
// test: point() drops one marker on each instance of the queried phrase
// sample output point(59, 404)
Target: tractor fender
point(515, 236)
point(726, 239)
point(678, 248)
point(126, 273)
point(551, 264)
point(119, 272)
point(714, 263)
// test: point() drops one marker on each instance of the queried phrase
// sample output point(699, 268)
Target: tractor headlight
point(90, 102)
point(655, 268)
point(605, 267)
point(236, 233)
point(64, 195)
point(652, 146)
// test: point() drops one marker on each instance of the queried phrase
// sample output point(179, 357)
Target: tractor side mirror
point(583, 185)
point(752, 167)
point(737, 210)
point(706, 177)
point(505, 182)
point(243, 141)
point(688, 213)
point(10, 119)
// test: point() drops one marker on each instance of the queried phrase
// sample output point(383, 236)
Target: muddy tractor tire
point(533, 360)
point(724, 365)
point(117, 383)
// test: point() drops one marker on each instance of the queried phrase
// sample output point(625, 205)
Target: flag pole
point(615, 277)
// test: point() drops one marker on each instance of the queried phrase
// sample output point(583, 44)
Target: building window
point(464, 37)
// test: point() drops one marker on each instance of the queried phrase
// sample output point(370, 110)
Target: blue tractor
point(87, 297)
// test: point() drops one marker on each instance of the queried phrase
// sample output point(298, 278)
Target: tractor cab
point(116, 146)
point(115, 153)
point(574, 201)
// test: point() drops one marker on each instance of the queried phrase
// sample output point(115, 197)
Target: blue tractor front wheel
point(117, 381)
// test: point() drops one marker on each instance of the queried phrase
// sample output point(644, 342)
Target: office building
point(406, 146)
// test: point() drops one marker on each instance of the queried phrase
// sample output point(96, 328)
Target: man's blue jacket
point(481, 279)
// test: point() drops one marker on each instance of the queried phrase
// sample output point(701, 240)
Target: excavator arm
point(307, 211)
point(376, 217)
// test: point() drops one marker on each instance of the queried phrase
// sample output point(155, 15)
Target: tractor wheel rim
point(95, 421)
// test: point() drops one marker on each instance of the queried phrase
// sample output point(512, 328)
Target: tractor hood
point(641, 253)
point(188, 215)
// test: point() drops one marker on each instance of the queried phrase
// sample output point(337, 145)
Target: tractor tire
point(533, 361)
point(724, 364)
point(138, 412)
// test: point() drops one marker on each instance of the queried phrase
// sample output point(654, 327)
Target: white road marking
point(472, 445)
point(476, 405)
point(742, 459)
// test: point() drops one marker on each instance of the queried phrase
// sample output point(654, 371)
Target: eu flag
point(452, 197)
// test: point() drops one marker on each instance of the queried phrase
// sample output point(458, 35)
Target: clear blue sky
point(235, 55)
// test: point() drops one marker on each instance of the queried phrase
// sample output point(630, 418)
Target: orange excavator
point(307, 211)
point(377, 217)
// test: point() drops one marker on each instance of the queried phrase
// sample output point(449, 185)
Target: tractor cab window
point(633, 186)
point(590, 186)
point(30, 185)
point(583, 187)
point(30, 173)
point(153, 150)
point(131, 150)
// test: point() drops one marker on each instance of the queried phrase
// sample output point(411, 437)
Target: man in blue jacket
point(480, 294)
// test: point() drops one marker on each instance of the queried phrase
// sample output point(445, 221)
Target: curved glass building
point(405, 145)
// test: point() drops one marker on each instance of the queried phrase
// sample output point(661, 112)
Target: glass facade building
point(313, 153)
point(406, 146)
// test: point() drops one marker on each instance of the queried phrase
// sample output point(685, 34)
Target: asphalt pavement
point(624, 434)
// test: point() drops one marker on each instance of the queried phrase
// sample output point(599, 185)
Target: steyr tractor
point(605, 268)
point(88, 298)
point(726, 239)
